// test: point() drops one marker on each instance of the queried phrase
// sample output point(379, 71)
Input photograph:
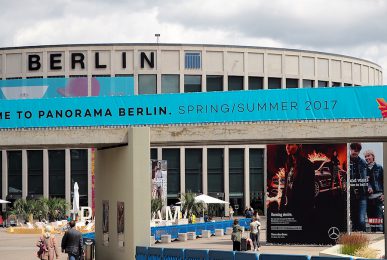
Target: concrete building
point(232, 171)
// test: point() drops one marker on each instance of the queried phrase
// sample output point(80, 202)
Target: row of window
point(56, 172)
point(147, 84)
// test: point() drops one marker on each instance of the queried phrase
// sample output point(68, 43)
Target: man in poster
point(358, 188)
point(298, 194)
point(375, 192)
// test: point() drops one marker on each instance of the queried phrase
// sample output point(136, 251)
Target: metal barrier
point(141, 253)
point(220, 255)
point(197, 228)
point(192, 254)
point(282, 257)
point(245, 256)
point(155, 253)
point(173, 254)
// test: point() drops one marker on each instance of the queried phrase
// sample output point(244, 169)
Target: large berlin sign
point(192, 108)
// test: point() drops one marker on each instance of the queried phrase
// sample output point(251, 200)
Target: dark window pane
point(170, 83)
point(14, 172)
point(57, 172)
point(147, 84)
point(1, 174)
point(215, 170)
point(347, 84)
point(35, 172)
point(173, 174)
point(322, 84)
point(192, 83)
point(214, 83)
point(153, 154)
point(255, 83)
point(193, 170)
point(291, 83)
point(235, 83)
point(256, 179)
point(336, 84)
point(79, 174)
point(236, 169)
point(307, 83)
point(274, 83)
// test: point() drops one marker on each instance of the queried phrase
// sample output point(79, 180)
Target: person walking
point(254, 233)
point(72, 242)
point(236, 236)
point(48, 249)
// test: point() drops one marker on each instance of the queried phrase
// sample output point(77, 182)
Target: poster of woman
point(105, 222)
point(121, 223)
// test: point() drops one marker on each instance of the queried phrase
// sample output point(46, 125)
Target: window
point(236, 164)
point(336, 84)
point(255, 83)
point(322, 84)
point(214, 83)
point(79, 174)
point(35, 172)
point(215, 170)
point(192, 60)
point(193, 170)
point(1, 174)
point(57, 172)
point(153, 154)
point(192, 83)
point(256, 162)
point(307, 83)
point(347, 85)
point(173, 164)
point(235, 83)
point(274, 83)
point(170, 83)
point(14, 172)
point(147, 84)
point(291, 83)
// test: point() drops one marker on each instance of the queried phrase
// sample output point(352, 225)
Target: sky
point(356, 28)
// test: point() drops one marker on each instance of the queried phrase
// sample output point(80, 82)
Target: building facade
point(234, 172)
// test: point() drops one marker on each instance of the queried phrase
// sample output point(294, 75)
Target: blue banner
point(191, 108)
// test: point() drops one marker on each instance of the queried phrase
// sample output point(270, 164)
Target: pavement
point(22, 246)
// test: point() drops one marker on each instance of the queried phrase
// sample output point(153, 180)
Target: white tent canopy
point(76, 198)
point(209, 200)
point(4, 201)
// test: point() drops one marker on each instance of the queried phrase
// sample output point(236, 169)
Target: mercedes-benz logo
point(333, 233)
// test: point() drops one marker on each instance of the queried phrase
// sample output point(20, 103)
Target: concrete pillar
point(68, 175)
point(205, 173)
point(4, 176)
point(24, 174)
point(46, 180)
point(246, 176)
point(226, 180)
point(182, 170)
point(122, 175)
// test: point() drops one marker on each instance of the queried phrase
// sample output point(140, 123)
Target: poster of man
point(366, 189)
point(105, 222)
point(120, 223)
point(306, 192)
point(159, 180)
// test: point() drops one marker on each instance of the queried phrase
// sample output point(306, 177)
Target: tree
point(57, 208)
point(156, 205)
point(189, 205)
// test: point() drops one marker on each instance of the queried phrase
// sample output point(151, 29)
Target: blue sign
point(191, 108)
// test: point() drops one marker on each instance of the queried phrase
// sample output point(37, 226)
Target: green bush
point(350, 243)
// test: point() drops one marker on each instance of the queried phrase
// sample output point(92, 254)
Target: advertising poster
point(121, 223)
point(306, 193)
point(105, 222)
point(159, 180)
point(366, 186)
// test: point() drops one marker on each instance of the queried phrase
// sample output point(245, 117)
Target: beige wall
point(123, 174)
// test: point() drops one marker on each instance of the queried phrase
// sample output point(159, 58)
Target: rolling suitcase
point(244, 244)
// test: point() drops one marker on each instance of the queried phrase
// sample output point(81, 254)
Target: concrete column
point(160, 154)
point(182, 170)
point(24, 174)
point(205, 173)
point(4, 176)
point(246, 176)
point(68, 175)
point(226, 178)
point(46, 180)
